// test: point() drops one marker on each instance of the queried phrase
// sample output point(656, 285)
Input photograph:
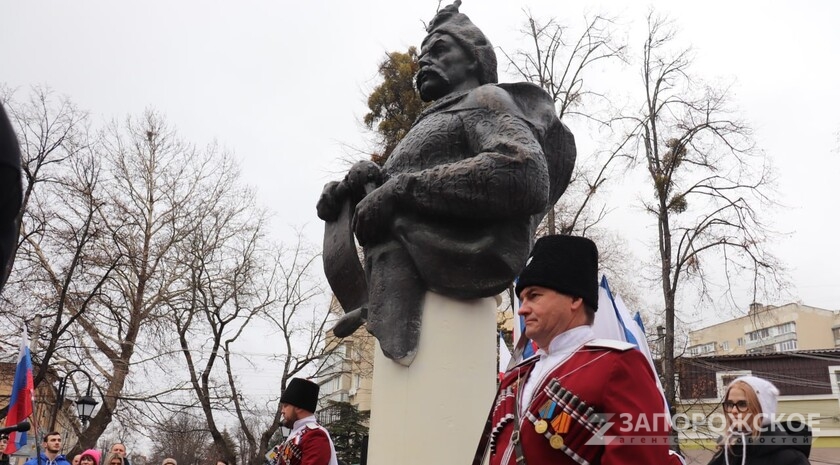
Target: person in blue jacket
point(50, 451)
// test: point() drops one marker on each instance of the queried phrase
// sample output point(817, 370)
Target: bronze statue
point(11, 195)
point(455, 207)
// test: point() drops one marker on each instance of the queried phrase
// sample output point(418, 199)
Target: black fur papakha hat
point(301, 393)
point(457, 25)
point(566, 264)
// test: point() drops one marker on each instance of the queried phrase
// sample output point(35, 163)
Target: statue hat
point(457, 25)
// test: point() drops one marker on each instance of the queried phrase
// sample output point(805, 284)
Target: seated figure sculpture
point(455, 207)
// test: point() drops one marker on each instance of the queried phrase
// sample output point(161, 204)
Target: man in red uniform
point(579, 399)
point(308, 443)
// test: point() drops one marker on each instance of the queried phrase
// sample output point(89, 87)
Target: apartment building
point(347, 375)
point(769, 328)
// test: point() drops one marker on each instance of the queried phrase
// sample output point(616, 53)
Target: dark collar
point(442, 103)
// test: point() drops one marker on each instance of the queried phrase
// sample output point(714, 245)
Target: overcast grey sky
point(283, 85)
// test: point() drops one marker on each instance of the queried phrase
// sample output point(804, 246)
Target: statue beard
point(437, 90)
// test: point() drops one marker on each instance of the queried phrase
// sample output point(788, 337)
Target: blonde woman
point(113, 458)
point(753, 436)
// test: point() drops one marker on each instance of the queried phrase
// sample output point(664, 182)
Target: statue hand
point(331, 201)
point(374, 213)
point(362, 178)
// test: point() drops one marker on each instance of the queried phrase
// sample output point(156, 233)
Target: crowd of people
point(308, 443)
point(51, 448)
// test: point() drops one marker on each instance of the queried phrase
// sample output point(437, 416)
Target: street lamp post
point(660, 337)
point(84, 405)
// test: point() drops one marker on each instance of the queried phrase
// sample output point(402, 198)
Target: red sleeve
point(640, 427)
point(315, 448)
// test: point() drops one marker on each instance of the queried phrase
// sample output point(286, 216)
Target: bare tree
point(184, 438)
point(132, 236)
point(56, 277)
point(565, 64)
point(254, 422)
point(559, 63)
point(234, 279)
point(159, 190)
point(105, 220)
point(709, 183)
point(301, 321)
point(229, 284)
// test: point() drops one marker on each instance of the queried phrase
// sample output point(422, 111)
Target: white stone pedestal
point(433, 412)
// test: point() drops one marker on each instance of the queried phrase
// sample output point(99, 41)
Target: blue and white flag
point(613, 321)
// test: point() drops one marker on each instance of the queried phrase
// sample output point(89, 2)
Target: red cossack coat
point(603, 404)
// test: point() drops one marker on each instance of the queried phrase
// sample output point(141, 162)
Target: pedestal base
point(433, 412)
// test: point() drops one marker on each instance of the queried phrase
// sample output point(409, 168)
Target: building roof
point(820, 353)
point(762, 309)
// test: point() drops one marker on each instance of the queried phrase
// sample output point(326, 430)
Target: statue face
point(444, 66)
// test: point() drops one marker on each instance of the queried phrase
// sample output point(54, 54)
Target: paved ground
point(819, 456)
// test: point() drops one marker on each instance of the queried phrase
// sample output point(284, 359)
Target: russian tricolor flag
point(20, 405)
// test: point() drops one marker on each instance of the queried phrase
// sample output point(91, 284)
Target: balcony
point(770, 341)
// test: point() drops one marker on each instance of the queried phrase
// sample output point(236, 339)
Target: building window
point(702, 349)
point(834, 376)
point(328, 387)
point(740, 342)
point(724, 345)
point(758, 335)
point(761, 335)
point(787, 345)
point(725, 377)
point(836, 332)
point(789, 327)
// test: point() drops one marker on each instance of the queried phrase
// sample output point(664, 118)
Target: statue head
point(455, 55)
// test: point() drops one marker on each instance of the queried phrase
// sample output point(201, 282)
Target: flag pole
point(36, 426)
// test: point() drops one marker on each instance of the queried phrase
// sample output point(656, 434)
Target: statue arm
point(508, 176)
